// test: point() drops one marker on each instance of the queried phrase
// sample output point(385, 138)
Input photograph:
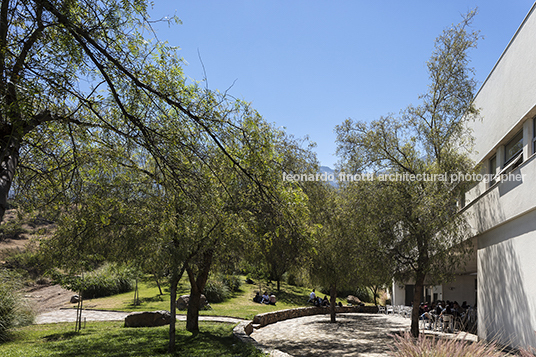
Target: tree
point(373, 267)
point(415, 216)
point(334, 263)
point(130, 84)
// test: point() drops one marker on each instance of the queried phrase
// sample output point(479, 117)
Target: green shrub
point(232, 282)
point(105, 281)
point(216, 291)
point(298, 278)
point(14, 311)
point(364, 294)
point(407, 346)
point(29, 261)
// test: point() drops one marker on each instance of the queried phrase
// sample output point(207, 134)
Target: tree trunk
point(278, 285)
point(197, 286)
point(419, 286)
point(333, 301)
point(192, 317)
point(173, 310)
point(9, 160)
point(158, 283)
point(174, 282)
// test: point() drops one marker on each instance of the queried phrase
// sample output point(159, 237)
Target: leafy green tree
point(72, 71)
point(335, 258)
point(416, 219)
point(280, 228)
point(374, 268)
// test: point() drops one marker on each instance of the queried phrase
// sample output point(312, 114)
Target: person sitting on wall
point(325, 302)
point(312, 297)
point(318, 301)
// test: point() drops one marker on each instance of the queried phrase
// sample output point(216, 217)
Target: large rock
point(182, 302)
point(148, 319)
point(354, 300)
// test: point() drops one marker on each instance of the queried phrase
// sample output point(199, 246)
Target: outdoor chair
point(448, 321)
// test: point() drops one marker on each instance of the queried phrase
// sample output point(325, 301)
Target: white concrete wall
point(399, 294)
point(507, 282)
point(461, 289)
point(508, 96)
point(503, 216)
point(504, 201)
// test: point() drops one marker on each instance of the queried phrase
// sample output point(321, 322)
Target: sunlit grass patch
point(111, 339)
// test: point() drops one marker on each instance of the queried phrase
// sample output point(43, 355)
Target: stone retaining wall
point(271, 317)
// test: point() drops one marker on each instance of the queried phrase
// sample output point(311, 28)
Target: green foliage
point(216, 291)
point(297, 277)
point(412, 225)
point(11, 230)
point(233, 282)
point(29, 262)
point(14, 311)
point(110, 339)
point(364, 294)
point(106, 281)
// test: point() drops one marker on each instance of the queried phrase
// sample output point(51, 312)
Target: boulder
point(182, 302)
point(148, 319)
point(248, 329)
point(354, 300)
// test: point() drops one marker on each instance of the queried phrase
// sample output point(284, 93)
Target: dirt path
point(48, 297)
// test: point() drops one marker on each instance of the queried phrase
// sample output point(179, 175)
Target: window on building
point(492, 169)
point(534, 135)
point(513, 148)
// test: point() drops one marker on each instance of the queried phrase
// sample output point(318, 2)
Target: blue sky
point(309, 65)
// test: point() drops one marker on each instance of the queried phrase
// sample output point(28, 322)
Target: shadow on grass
point(60, 336)
point(212, 340)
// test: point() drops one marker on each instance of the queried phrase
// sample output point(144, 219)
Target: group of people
point(438, 309)
point(318, 301)
point(265, 298)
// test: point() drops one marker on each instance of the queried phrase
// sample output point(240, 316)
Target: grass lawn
point(239, 305)
point(111, 339)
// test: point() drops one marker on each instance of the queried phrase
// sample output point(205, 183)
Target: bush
point(106, 281)
point(216, 291)
point(14, 311)
point(296, 278)
point(232, 282)
point(364, 294)
point(29, 261)
point(407, 346)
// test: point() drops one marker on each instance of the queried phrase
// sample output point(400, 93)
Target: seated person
point(325, 302)
point(312, 296)
point(318, 301)
point(257, 298)
point(265, 298)
point(272, 300)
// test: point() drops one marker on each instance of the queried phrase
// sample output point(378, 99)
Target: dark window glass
point(514, 147)
point(492, 168)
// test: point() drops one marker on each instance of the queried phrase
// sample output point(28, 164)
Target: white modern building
point(501, 277)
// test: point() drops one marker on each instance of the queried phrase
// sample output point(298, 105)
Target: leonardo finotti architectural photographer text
point(460, 177)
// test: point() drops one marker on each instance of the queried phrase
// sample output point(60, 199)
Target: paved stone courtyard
point(352, 335)
point(361, 334)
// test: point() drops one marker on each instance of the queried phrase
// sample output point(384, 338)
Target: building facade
point(503, 212)
point(501, 277)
